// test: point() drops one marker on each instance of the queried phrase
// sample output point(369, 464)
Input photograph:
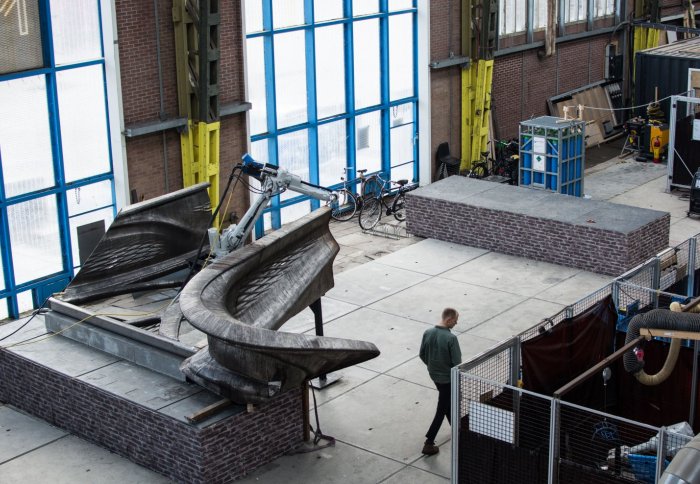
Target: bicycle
point(507, 160)
point(373, 208)
point(347, 203)
point(480, 169)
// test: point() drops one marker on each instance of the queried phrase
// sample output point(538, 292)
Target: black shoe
point(429, 448)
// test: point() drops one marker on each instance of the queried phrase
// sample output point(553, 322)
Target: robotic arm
point(274, 180)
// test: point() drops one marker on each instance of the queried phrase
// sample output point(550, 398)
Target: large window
point(513, 14)
point(333, 88)
point(56, 178)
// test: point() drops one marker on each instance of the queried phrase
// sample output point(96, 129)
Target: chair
point(448, 165)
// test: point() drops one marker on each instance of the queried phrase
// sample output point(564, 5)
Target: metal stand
point(324, 380)
point(390, 231)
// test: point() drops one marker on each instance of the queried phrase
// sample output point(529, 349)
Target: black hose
point(658, 319)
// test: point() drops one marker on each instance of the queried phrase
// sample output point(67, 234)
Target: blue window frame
point(56, 174)
point(333, 85)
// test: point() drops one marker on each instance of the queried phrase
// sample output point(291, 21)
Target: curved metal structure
point(241, 300)
point(685, 466)
point(146, 241)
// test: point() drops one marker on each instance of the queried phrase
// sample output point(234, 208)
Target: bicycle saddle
point(402, 182)
point(362, 172)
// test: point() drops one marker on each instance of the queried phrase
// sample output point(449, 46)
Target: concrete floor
point(388, 292)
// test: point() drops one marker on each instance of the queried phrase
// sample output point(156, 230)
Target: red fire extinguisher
point(656, 148)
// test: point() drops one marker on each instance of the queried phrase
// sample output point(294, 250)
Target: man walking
point(440, 351)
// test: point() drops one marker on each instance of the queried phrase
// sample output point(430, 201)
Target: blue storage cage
point(552, 153)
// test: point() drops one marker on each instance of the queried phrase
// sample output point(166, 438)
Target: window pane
point(576, 10)
point(259, 151)
point(85, 146)
point(513, 16)
point(76, 30)
point(401, 114)
point(401, 56)
point(4, 312)
point(25, 301)
point(255, 53)
point(332, 153)
point(400, 5)
point(286, 13)
point(540, 14)
point(2, 279)
point(253, 16)
point(368, 142)
point(105, 215)
point(294, 156)
point(36, 246)
point(294, 212)
point(20, 36)
point(403, 172)
point(25, 137)
point(366, 58)
point(330, 71)
point(290, 79)
point(401, 144)
point(604, 7)
point(89, 197)
point(328, 10)
point(364, 7)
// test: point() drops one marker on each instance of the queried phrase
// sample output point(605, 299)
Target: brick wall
point(445, 84)
point(146, 157)
point(220, 452)
point(522, 82)
point(582, 247)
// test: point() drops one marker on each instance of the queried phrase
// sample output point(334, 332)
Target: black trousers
point(443, 410)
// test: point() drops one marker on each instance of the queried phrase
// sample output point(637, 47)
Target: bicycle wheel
point(479, 170)
point(344, 207)
point(399, 207)
point(372, 187)
point(370, 213)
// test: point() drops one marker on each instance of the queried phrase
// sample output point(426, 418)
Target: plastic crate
point(644, 467)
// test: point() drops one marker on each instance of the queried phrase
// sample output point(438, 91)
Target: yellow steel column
point(476, 109)
point(482, 109)
point(196, 47)
point(467, 110)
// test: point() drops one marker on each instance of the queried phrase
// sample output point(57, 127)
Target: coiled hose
point(659, 319)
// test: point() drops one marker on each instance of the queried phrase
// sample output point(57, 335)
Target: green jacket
point(440, 351)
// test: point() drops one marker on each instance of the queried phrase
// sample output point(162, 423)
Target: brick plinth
point(220, 452)
point(596, 236)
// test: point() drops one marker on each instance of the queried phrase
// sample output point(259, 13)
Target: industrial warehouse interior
point(227, 228)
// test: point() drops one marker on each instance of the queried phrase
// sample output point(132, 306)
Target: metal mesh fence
point(643, 275)
point(673, 265)
point(634, 299)
point(568, 312)
point(508, 434)
point(504, 434)
point(598, 445)
point(495, 364)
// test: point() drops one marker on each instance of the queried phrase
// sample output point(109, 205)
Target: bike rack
point(390, 231)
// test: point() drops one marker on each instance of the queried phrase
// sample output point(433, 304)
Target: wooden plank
point(209, 410)
point(594, 137)
point(668, 333)
point(595, 369)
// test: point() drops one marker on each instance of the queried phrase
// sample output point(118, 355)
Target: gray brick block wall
point(579, 246)
point(221, 452)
